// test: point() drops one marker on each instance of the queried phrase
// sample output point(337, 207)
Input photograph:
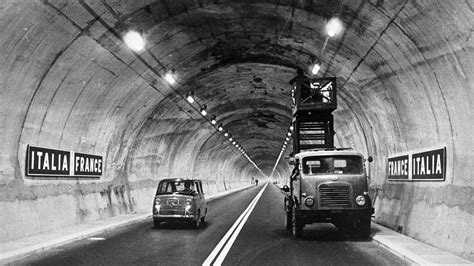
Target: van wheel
point(197, 222)
point(156, 223)
point(296, 226)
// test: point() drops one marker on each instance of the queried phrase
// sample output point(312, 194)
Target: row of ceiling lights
point(220, 128)
point(135, 41)
point(283, 148)
point(333, 27)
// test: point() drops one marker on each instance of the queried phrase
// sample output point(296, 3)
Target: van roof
point(178, 179)
point(327, 153)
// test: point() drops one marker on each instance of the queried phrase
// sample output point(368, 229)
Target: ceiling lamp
point(333, 27)
point(316, 67)
point(134, 41)
point(171, 76)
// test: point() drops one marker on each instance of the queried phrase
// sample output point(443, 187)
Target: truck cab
point(329, 186)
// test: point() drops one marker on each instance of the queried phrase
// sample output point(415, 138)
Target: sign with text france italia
point(427, 165)
point(43, 162)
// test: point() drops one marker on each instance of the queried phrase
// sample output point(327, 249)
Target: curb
point(413, 251)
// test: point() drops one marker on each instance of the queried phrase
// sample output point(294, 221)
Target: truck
point(327, 184)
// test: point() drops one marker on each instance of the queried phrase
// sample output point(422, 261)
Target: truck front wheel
point(288, 220)
point(362, 227)
point(296, 225)
point(288, 214)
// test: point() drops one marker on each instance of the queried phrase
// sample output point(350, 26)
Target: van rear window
point(319, 165)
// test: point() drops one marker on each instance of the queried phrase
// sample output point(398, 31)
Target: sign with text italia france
point(44, 162)
point(420, 166)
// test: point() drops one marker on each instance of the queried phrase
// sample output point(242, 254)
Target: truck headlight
point(309, 201)
point(360, 200)
point(188, 209)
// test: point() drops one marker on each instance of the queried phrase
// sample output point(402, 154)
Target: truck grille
point(335, 196)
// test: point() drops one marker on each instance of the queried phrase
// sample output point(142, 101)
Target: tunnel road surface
point(261, 240)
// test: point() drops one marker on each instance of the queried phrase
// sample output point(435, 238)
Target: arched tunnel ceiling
point(238, 56)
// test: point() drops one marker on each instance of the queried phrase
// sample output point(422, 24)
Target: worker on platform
point(304, 85)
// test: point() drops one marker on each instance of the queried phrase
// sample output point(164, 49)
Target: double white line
point(219, 253)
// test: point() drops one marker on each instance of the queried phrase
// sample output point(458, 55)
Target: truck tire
point(363, 231)
point(296, 225)
point(361, 227)
point(288, 214)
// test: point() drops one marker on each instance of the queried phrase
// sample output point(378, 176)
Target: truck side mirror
point(292, 161)
point(370, 159)
point(285, 188)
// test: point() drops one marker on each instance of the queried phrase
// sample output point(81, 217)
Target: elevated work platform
point(314, 100)
point(314, 95)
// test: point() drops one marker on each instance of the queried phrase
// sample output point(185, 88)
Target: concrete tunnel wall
point(65, 84)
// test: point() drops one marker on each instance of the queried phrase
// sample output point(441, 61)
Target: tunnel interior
point(404, 74)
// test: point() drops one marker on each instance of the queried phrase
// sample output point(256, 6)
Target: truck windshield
point(321, 165)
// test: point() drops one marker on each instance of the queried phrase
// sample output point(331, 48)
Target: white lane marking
point(220, 251)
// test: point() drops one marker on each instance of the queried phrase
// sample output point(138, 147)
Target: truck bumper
point(331, 216)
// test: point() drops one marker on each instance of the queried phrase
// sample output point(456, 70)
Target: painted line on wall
point(219, 253)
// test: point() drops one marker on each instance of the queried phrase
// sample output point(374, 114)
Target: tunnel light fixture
point(213, 120)
point(190, 97)
point(291, 128)
point(134, 41)
point(289, 134)
point(220, 128)
point(333, 27)
point(230, 139)
point(233, 142)
point(287, 138)
point(226, 134)
point(203, 110)
point(316, 67)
